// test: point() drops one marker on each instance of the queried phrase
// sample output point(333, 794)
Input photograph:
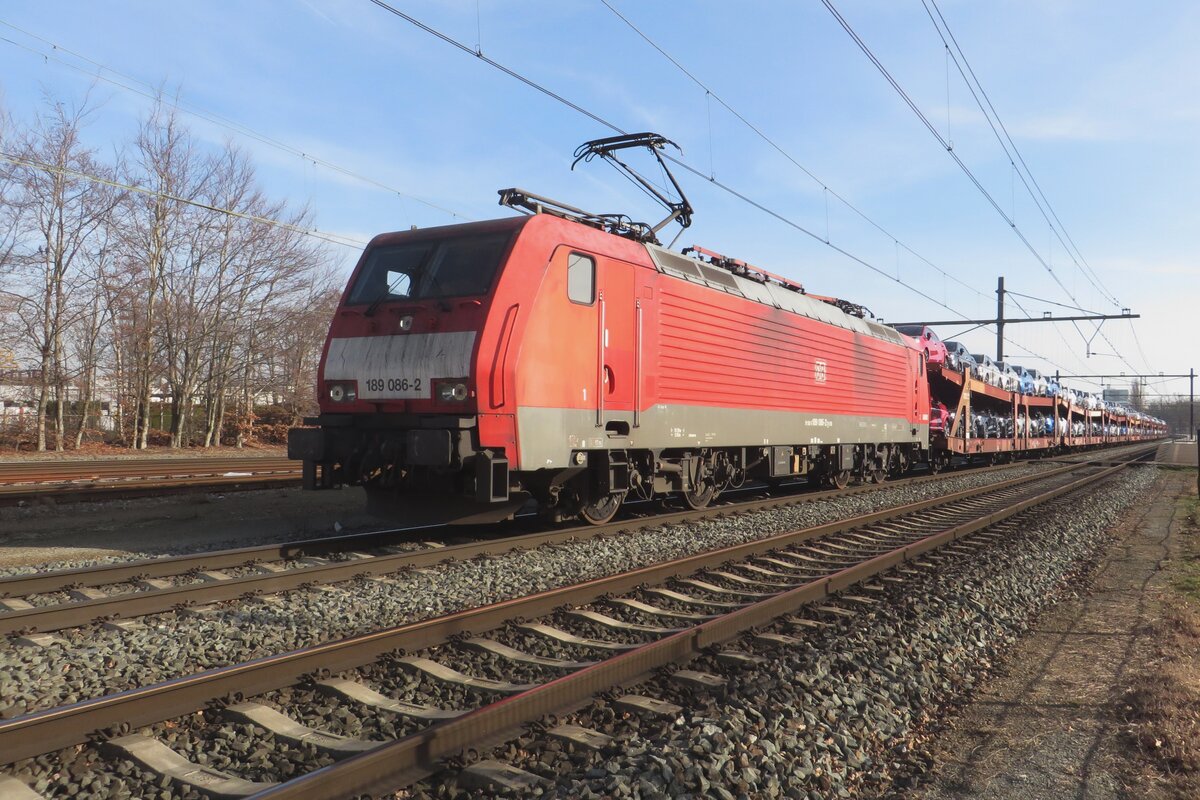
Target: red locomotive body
point(472, 368)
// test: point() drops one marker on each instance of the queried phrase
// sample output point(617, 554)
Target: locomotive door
point(616, 374)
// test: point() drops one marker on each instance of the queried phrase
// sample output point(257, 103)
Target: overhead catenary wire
point(711, 94)
point(1097, 282)
point(105, 73)
point(1049, 302)
point(1056, 328)
point(783, 152)
point(529, 82)
point(1070, 349)
point(866, 50)
point(332, 238)
point(1138, 343)
point(346, 241)
point(973, 83)
point(862, 45)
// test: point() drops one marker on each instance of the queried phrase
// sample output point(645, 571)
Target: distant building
point(19, 392)
point(1115, 395)
point(18, 389)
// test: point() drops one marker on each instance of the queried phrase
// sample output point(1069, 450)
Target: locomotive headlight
point(452, 391)
point(406, 323)
point(344, 392)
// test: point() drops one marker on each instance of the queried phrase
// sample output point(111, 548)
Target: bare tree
point(164, 162)
point(190, 284)
point(60, 210)
point(91, 335)
point(299, 342)
point(275, 267)
point(10, 217)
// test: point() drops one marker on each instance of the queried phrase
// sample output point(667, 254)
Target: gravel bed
point(537, 645)
point(594, 630)
point(243, 750)
point(489, 665)
point(87, 775)
point(403, 683)
point(637, 616)
point(850, 709)
point(206, 738)
point(334, 715)
point(843, 711)
point(96, 662)
point(47, 598)
point(185, 549)
point(178, 549)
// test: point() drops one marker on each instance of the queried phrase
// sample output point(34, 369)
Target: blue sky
point(1102, 98)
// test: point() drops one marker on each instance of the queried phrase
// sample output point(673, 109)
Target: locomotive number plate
point(396, 387)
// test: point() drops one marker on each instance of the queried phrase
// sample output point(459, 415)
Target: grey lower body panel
point(547, 436)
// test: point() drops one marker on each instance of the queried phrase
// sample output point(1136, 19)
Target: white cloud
point(1071, 125)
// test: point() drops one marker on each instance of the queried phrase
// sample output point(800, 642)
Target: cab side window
point(581, 279)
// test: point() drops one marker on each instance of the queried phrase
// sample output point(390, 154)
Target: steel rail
point(13, 495)
point(121, 572)
point(57, 728)
point(13, 472)
point(95, 487)
point(158, 567)
point(87, 480)
point(128, 605)
point(394, 765)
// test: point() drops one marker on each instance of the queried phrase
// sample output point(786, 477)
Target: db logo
point(819, 371)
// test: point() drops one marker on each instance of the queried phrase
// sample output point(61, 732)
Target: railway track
point(116, 594)
point(93, 479)
point(67, 481)
point(628, 624)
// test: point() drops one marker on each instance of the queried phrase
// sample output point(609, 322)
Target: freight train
point(567, 361)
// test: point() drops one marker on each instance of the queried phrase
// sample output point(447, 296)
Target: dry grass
point(1162, 704)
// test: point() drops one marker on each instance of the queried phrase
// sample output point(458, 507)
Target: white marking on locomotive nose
point(412, 358)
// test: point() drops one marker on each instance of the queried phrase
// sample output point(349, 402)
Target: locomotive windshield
point(461, 266)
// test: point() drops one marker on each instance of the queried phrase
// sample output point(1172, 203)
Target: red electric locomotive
point(566, 359)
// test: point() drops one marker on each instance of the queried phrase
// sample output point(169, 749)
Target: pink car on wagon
point(928, 341)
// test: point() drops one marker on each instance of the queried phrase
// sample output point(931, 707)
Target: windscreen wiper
point(378, 301)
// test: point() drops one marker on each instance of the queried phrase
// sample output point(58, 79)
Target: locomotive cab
point(471, 367)
point(398, 383)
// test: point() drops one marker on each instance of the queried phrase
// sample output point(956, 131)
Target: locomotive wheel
point(602, 510)
point(878, 475)
point(839, 480)
point(697, 500)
